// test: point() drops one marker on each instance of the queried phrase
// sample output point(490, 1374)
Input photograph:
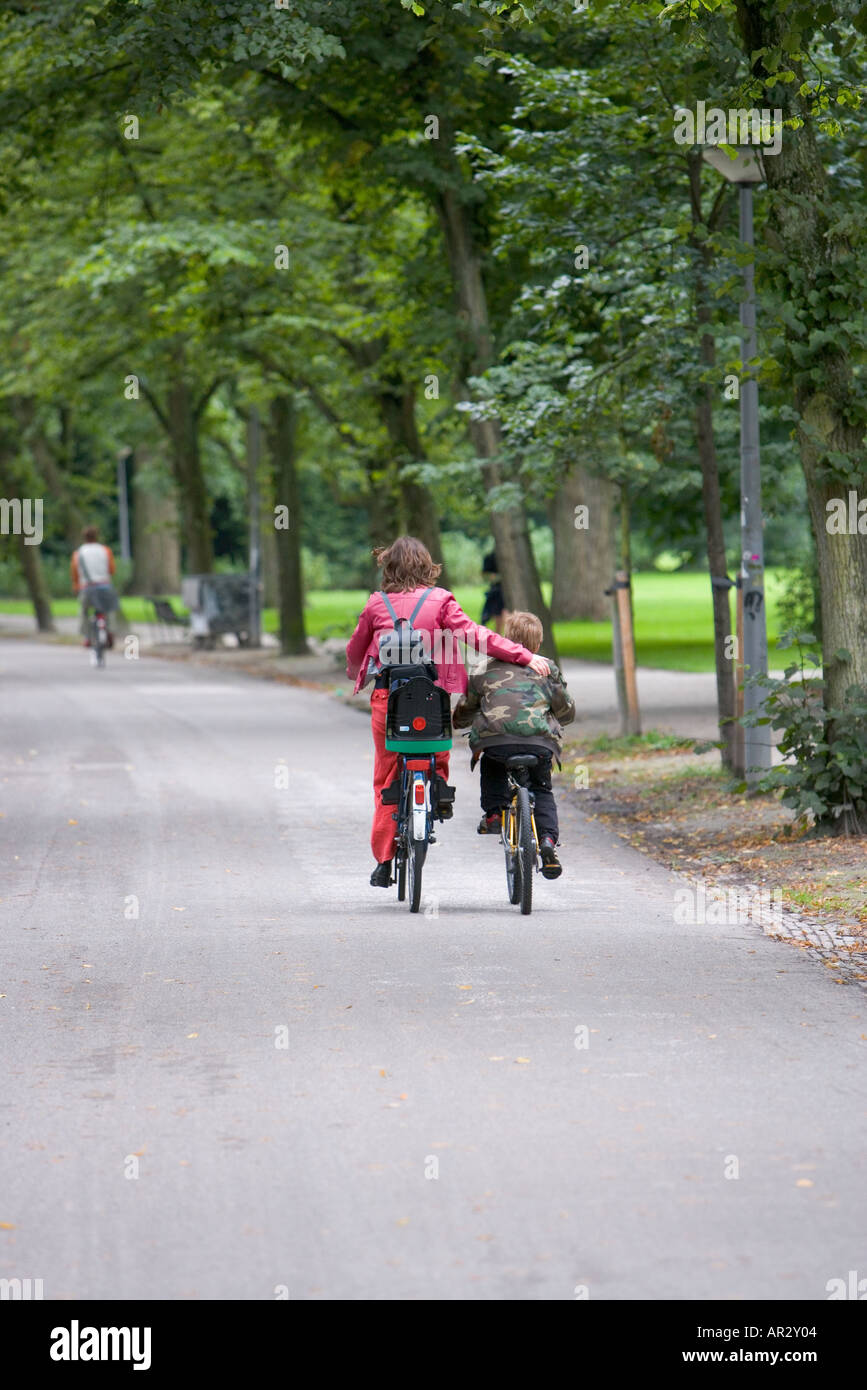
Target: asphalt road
point(431, 1130)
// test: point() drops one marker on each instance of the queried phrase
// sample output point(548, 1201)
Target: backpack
point(403, 646)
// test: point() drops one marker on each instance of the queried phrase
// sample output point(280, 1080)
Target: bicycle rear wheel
point(512, 882)
point(526, 852)
point(416, 854)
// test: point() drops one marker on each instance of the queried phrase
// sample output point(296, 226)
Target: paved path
point(443, 1043)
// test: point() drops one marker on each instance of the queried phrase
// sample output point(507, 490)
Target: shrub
point(826, 780)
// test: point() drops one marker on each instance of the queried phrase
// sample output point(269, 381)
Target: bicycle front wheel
point(526, 855)
point(416, 852)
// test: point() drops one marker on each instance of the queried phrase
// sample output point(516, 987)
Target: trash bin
point(218, 603)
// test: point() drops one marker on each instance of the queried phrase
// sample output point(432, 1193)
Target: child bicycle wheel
point(526, 855)
point(509, 839)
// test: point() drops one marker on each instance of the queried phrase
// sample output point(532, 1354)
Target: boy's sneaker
point(551, 866)
point(490, 824)
point(381, 876)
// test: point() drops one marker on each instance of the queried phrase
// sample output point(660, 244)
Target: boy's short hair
point(90, 534)
point(524, 628)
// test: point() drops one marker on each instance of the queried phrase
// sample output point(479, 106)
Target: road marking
point(167, 688)
point(101, 767)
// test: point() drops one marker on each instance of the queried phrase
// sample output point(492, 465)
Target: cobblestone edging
point(836, 949)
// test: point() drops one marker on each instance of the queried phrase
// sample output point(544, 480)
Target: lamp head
point(736, 163)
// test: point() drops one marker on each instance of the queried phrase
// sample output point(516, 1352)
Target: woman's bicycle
point(519, 837)
point(418, 726)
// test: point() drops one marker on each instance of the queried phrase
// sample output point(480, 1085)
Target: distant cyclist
point(92, 568)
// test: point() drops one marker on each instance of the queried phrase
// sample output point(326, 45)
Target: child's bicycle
point(418, 726)
point(518, 833)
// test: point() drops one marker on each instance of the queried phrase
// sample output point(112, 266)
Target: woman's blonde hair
point(406, 564)
point(524, 628)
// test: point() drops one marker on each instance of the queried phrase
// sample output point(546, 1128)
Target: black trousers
point(495, 784)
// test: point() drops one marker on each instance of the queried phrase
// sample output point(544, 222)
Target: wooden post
point(617, 657)
point(739, 676)
point(622, 591)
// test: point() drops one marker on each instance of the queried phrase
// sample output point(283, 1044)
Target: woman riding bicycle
point(407, 571)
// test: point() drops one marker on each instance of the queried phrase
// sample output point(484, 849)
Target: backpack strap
point(417, 609)
point(386, 601)
point(82, 567)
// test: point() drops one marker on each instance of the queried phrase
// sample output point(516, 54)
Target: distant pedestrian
point(494, 611)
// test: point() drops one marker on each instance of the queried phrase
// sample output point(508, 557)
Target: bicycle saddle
point(522, 760)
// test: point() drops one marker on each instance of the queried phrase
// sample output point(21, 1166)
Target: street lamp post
point(253, 504)
point(745, 171)
point(123, 503)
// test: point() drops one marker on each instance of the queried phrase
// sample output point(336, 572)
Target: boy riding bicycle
point(510, 710)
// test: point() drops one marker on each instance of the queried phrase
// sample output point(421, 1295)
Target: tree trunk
point(583, 555)
point(187, 468)
point(385, 521)
point(814, 264)
point(13, 485)
point(715, 538)
point(418, 510)
point(281, 436)
point(34, 576)
point(156, 546)
point(515, 561)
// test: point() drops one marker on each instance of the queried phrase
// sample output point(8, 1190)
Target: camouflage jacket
point(505, 703)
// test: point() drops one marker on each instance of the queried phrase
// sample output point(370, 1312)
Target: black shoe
point(551, 866)
point(490, 824)
point(381, 876)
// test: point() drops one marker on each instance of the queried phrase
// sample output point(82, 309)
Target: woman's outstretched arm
point(487, 642)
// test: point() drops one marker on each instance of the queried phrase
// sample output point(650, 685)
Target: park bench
point(166, 617)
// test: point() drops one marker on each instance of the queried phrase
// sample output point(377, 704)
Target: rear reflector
point(419, 793)
point(419, 722)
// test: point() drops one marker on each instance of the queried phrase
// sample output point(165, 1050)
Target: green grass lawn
point(673, 619)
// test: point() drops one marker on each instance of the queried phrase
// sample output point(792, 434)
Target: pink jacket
point(441, 616)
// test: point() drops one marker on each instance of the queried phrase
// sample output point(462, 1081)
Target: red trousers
point(384, 772)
